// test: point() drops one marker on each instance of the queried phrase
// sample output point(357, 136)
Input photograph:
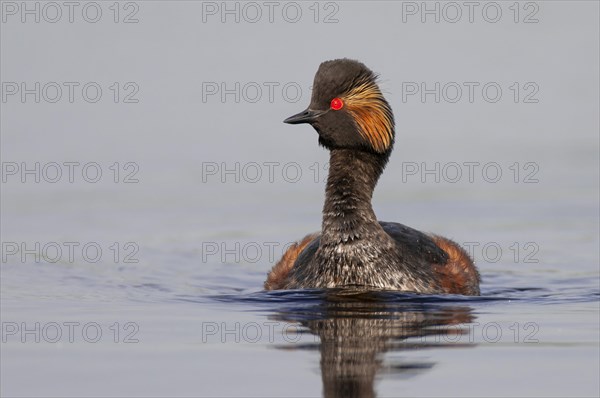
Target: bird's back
point(414, 262)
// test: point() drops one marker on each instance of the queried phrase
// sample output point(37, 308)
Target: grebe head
point(348, 109)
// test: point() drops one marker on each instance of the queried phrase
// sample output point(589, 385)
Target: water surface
point(210, 191)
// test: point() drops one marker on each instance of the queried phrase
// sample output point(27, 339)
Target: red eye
point(337, 104)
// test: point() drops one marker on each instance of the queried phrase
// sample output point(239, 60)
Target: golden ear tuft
point(372, 114)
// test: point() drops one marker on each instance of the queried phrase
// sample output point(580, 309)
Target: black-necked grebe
point(354, 250)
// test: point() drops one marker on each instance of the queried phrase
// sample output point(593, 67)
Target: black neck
point(348, 213)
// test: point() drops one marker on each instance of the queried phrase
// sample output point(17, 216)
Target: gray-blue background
point(176, 134)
